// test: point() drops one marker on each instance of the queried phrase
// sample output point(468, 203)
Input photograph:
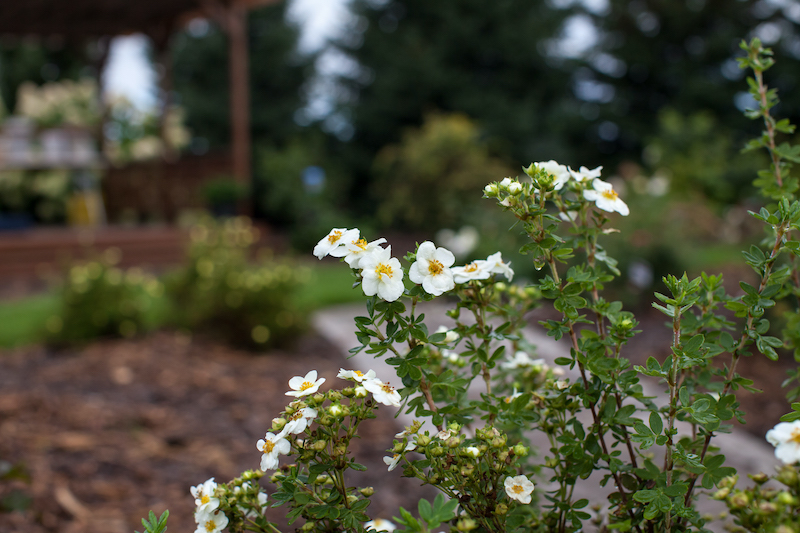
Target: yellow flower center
point(297, 416)
point(386, 388)
point(435, 267)
point(268, 446)
point(610, 194)
point(358, 373)
point(306, 385)
point(517, 489)
point(382, 269)
point(361, 243)
point(472, 267)
point(334, 236)
point(204, 499)
point(795, 436)
point(210, 526)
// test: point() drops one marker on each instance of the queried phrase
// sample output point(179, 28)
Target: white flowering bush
point(479, 393)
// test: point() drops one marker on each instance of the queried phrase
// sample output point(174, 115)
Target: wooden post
point(240, 92)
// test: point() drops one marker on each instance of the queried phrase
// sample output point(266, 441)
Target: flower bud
point(505, 183)
point(785, 498)
point(423, 440)
point(308, 526)
point(520, 450)
point(785, 529)
point(501, 458)
point(767, 507)
point(278, 423)
point(759, 478)
point(367, 491)
point(501, 509)
point(721, 494)
point(319, 445)
point(453, 442)
point(340, 450)
point(334, 395)
point(466, 524)
point(472, 451)
point(361, 392)
point(498, 442)
point(515, 187)
point(326, 421)
point(398, 447)
point(335, 410)
point(437, 451)
point(433, 479)
point(467, 470)
point(787, 475)
point(490, 190)
point(348, 392)
point(739, 500)
point(728, 482)
point(318, 398)
point(352, 498)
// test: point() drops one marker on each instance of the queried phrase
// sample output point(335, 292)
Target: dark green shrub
point(220, 293)
point(97, 299)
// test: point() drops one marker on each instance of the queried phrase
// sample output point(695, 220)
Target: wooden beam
point(240, 92)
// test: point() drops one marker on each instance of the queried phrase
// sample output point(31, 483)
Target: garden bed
point(114, 430)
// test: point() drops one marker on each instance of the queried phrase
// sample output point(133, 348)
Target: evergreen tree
point(277, 75)
point(484, 59)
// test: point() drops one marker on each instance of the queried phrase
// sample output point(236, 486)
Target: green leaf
point(656, 425)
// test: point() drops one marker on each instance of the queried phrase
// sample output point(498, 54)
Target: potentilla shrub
point(98, 299)
point(226, 293)
point(478, 391)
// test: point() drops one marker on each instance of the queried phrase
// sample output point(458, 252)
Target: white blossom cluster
point(273, 445)
point(207, 515)
point(382, 274)
point(596, 190)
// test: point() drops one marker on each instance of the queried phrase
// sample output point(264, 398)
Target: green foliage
point(433, 175)
point(155, 524)
point(221, 294)
point(277, 74)
point(224, 190)
point(97, 299)
point(43, 194)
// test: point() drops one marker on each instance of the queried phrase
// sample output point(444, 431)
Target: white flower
point(355, 375)
point(358, 249)
point(490, 190)
point(335, 410)
point(392, 461)
point(204, 495)
point(299, 420)
point(569, 216)
point(561, 384)
point(505, 183)
point(333, 243)
point(474, 271)
point(210, 521)
point(496, 265)
point(303, 386)
point(585, 174)
point(452, 357)
point(519, 488)
point(472, 451)
point(445, 434)
point(786, 439)
point(559, 172)
point(432, 269)
point(605, 198)
point(379, 524)
point(520, 360)
point(381, 274)
point(450, 335)
point(272, 446)
point(360, 392)
point(515, 187)
point(514, 396)
point(382, 392)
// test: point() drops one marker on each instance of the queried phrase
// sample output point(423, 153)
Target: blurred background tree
point(278, 73)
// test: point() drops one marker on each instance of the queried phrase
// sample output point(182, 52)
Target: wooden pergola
point(159, 19)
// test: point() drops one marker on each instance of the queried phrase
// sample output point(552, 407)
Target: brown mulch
point(117, 429)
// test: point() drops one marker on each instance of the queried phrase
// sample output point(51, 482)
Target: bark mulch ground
point(111, 431)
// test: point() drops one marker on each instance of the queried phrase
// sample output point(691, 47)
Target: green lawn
point(22, 321)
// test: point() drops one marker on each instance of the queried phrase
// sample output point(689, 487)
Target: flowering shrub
point(220, 293)
point(98, 299)
point(474, 447)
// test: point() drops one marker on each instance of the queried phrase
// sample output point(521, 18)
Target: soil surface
point(109, 432)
